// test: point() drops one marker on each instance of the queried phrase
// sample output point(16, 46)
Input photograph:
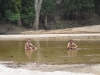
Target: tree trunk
point(97, 6)
point(46, 23)
point(36, 23)
point(38, 4)
point(58, 1)
point(19, 22)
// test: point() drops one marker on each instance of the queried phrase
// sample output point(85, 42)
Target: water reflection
point(50, 51)
point(72, 53)
point(28, 53)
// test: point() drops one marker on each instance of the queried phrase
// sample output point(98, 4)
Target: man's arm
point(68, 45)
point(75, 45)
point(26, 46)
point(33, 46)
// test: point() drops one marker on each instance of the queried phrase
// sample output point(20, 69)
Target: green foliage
point(8, 10)
point(13, 10)
point(0, 17)
point(48, 6)
point(17, 6)
point(71, 6)
point(28, 12)
point(12, 17)
point(8, 13)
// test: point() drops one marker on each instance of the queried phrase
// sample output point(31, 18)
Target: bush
point(12, 17)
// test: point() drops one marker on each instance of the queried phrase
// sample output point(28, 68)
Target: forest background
point(48, 14)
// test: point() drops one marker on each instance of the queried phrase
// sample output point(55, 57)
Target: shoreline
point(62, 70)
point(75, 68)
point(55, 37)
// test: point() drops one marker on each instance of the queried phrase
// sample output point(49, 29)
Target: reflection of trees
point(4, 49)
point(11, 50)
point(21, 48)
point(37, 43)
point(40, 45)
point(20, 45)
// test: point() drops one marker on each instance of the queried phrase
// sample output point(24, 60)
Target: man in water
point(29, 46)
point(71, 45)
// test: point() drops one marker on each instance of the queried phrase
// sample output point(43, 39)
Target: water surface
point(51, 52)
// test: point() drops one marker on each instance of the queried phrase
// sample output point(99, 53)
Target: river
point(51, 58)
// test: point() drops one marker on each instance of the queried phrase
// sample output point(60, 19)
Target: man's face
point(71, 41)
point(28, 41)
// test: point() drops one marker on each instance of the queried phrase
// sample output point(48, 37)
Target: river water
point(51, 58)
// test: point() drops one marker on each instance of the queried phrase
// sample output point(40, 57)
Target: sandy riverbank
point(78, 33)
point(56, 37)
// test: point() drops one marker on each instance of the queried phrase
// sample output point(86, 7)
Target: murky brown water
point(51, 52)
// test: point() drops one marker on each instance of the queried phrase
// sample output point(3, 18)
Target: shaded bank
point(12, 30)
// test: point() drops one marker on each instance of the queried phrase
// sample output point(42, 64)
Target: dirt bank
point(86, 29)
point(11, 29)
point(80, 33)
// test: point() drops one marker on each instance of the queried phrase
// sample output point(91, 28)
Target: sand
point(55, 37)
point(75, 30)
point(78, 33)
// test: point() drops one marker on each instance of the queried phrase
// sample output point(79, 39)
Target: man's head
point(28, 41)
point(71, 41)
